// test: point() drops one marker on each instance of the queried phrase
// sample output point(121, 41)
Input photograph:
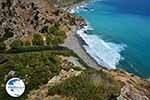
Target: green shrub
point(27, 43)
point(49, 39)
point(53, 30)
point(37, 40)
point(55, 65)
point(55, 36)
point(16, 44)
point(57, 40)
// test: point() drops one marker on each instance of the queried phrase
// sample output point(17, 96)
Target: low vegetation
point(90, 85)
point(16, 44)
point(55, 36)
point(37, 40)
point(34, 68)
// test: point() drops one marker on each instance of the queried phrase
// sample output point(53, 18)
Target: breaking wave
point(104, 53)
point(82, 7)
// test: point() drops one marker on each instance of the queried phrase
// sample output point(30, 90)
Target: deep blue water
point(127, 22)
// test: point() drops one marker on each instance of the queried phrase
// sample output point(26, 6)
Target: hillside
point(21, 19)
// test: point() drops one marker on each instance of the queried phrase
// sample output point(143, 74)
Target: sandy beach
point(74, 43)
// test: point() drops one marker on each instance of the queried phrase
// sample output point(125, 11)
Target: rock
point(56, 97)
point(11, 73)
point(134, 88)
point(63, 75)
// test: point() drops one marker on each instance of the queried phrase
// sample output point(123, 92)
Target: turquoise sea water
point(124, 22)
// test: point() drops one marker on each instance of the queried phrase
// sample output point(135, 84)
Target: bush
point(49, 39)
point(53, 30)
point(27, 43)
point(87, 86)
point(57, 40)
point(55, 65)
point(37, 40)
point(55, 36)
point(16, 44)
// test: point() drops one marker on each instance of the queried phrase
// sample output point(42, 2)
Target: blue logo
point(15, 87)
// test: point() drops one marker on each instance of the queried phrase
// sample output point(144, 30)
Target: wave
point(104, 53)
point(82, 7)
point(78, 8)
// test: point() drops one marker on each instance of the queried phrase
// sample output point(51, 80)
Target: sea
point(117, 34)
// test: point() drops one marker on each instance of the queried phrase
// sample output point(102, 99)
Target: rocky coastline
point(25, 17)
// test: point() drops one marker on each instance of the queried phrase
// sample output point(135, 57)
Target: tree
point(37, 40)
point(58, 40)
point(53, 30)
point(27, 43)
point(49, 39)
point(16, 44)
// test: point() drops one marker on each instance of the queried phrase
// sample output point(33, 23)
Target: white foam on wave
point(78, 8)
point(104, 53)
point(82, 7)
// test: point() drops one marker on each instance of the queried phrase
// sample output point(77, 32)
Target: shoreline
point(82, 43)
point(81, 51)
point(78, 48)
point(74, 7)
point(75, 43)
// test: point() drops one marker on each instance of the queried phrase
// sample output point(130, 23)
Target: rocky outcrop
point(133, 87)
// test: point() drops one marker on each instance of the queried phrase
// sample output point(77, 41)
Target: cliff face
point(133, 87)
